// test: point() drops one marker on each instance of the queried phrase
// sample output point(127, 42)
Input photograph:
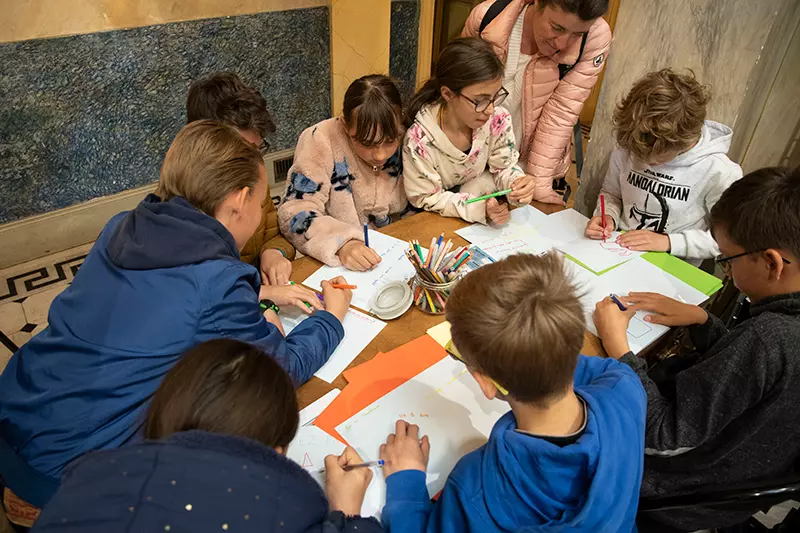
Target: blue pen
point(619, 304)
point(366, 235)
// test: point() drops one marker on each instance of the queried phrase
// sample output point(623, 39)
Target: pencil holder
point(431, 297)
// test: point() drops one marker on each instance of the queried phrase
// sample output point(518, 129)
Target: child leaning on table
point(568, 456)
point(217, 432)
point(730, 414)
point(668, 169)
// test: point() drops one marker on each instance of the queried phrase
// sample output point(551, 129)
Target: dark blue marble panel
point(91, 115)
point(403, 45)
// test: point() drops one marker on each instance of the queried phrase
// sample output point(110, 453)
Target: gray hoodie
point(674, 198)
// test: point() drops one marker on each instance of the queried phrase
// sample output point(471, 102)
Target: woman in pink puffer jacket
point(532, 38)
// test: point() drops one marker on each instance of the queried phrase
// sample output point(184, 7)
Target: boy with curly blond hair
point(669, 168)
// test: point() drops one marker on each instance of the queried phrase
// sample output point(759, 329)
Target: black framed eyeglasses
point(484, 103)
point(725, 262)
point(264, 146)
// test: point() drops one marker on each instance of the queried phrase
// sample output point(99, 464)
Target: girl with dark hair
point(461, 144)
point(347, 172)
point(218, 428)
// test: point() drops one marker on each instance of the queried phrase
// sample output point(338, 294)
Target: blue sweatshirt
point(159, 280)
point(518, 482)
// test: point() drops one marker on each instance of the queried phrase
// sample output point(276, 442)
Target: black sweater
point(735, 414)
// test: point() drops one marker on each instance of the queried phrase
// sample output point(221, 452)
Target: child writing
point(668, 170)
point(730, 414)
point(217, 431)
point(224, 97)
point(568, 456)
point(461, 144)
point(159, 280)
point(347, 172)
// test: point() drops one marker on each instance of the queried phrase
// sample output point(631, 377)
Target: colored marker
point(618, 302)
point(487, 196)
point(603, 215)
point(366, 235)
point(360, 465)
point(307, 304)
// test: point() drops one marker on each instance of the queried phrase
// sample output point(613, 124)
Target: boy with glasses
point(730, 415)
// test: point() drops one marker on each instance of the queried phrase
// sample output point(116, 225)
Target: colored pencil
point(343, 286)
point(366, 235)
point(603, 214)
point(487, 196)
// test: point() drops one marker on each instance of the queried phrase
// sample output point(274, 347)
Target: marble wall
point(721, 40)
point(359, 43)
point(91, 115)
point(403, 42)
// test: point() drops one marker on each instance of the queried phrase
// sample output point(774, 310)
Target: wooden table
point(414, 323)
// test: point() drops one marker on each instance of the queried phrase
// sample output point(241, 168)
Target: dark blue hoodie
point(159, 280)
point(193, 482)
point(518, 482)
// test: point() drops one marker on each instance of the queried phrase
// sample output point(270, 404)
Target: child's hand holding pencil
point(345, 486)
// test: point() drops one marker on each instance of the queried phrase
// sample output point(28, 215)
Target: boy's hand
point(346, 489)
point(522, 190)
point(670, 312)
point(642, 240)
point(594, 229)
point(404, 450)
point(497, 212)
point(612, 326)
point(275, 269)
point(355, 255)
point(337, 301)
point(291, 295)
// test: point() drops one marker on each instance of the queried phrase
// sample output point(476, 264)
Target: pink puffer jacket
point(550, 107)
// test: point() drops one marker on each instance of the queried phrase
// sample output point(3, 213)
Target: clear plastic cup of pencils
point(431, 297)
point(437, 272)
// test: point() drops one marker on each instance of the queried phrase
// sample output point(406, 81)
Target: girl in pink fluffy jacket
point(347, 172)
point(461, 144)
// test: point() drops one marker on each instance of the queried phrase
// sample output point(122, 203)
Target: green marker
point(307, 304)
point(486, 197)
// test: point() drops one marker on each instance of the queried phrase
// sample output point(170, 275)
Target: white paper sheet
point(599, 255)
point(394, 266)
point(359, 330)
point(521, 235)
point(564, 226)
point(446, 403)
point(311, 445)
point(636, 275)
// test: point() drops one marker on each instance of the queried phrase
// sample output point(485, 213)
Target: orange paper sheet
point(379, 376)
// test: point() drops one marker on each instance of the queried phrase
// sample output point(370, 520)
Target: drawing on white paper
point(597, 255)
point(448, 406)
point(359, 330)
point(394, 266)
point(520, 235)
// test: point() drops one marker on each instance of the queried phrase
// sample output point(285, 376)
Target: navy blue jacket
point(192, 482)
point(159, 280)
point(521, 483)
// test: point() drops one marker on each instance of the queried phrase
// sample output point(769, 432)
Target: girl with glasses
point(461, 144)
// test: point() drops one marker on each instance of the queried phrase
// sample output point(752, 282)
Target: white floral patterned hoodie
point(441, 178)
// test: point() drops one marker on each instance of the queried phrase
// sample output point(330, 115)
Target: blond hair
point(663, 112)
point(205, 163)
point(520, 323)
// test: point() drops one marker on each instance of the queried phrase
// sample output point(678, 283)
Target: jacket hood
point(580, 490)
point(167, 234)
point(428, 119)
point(715, 138)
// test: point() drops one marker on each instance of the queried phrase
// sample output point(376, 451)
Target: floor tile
point(37, 306)
point(19, 338)
point(42, 274)
point(38, 329)
point(5, 355)
point(12, 318)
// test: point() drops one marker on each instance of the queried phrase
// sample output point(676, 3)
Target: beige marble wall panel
point(33, 19)
point(359, 43)
point(721, 40)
